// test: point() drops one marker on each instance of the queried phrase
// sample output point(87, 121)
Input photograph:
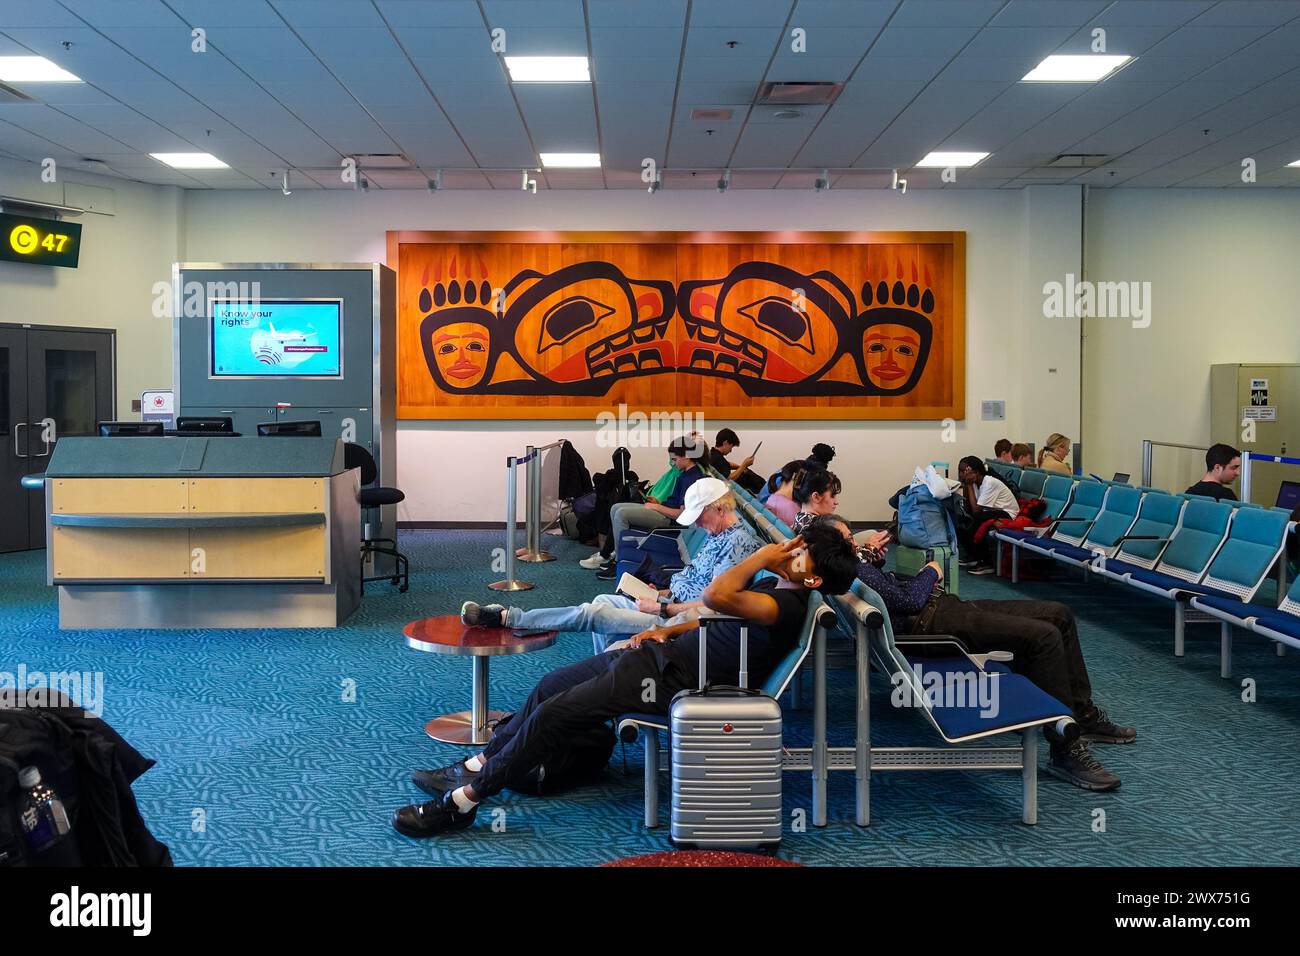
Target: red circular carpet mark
point(701, 858)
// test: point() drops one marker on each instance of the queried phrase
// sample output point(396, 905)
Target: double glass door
point(54, 383)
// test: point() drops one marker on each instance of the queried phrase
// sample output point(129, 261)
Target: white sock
point(473, 764)
point(463, 803)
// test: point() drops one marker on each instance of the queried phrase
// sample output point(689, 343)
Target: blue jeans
point(607, 616)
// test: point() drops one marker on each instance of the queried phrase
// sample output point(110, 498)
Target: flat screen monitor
point(292, 429)
point(275, 338)
point(130, 429)
point(192, 423)
point(1288, 496)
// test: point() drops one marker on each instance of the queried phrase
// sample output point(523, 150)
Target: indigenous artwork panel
point(816, 325)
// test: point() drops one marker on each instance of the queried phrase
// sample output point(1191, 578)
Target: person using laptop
point(1222, 466)
point(710, 505)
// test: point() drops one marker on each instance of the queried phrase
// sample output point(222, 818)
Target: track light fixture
point(823, 182)
point(725, 182)
point(363, 184)
point(528, 185)
point(435, 183)
point(656, 184)
point(284, 184)
point(899, 184)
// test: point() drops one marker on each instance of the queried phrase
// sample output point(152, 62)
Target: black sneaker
point(1100, 729)
point(429, 819)
point(482, 615)
point(1075, 764)
point(607, 571)
point(437, 782)
point(980, 569)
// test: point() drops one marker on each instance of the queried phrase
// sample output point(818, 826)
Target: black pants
point(966, 537)
point(573, 699)
point(1042, 635)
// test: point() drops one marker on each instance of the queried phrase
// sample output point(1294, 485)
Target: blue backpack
point(923, 521)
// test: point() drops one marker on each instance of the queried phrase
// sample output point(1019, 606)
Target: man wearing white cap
point(709, 504)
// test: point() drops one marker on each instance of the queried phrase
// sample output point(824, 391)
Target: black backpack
point(90, 767)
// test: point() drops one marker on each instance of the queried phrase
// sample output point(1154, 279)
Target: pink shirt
point(783, 507)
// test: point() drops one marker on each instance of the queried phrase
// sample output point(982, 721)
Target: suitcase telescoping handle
point(705, 620)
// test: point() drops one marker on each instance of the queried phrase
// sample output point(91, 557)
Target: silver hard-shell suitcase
point(726, 761)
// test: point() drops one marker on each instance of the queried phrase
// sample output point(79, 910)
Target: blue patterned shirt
point(904, 597)
point(720, 552)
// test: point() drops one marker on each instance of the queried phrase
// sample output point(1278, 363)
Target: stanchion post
point(532, 552)
point(1146, 462)
point(512, 493)
point(1245, 476)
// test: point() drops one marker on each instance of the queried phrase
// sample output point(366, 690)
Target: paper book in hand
point(636, 589)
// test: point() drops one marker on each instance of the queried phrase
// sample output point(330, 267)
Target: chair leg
point(1180, 623)
point(651, 777)
point(1225, 650)
point(1015, 565)
point(1029, 777)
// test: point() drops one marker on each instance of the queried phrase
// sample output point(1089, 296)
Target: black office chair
point(356, 456)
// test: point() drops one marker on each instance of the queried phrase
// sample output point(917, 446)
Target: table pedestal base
point(458, 728)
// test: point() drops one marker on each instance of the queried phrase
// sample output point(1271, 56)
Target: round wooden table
point(448, 635)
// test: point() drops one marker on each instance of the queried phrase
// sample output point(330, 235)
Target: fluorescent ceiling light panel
point(548, 69)
point(33, 69)
point(944, 160)
point(571, 160)
point(1296, 163)
point(190, 160)
point(1083, 68)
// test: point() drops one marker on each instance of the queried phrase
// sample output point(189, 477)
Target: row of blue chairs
point(916, 666)
point(1209, 559)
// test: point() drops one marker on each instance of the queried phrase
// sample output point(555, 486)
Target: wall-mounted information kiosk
point(283, 342)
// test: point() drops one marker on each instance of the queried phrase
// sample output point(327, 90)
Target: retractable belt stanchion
point(512, 491)
point(532, 552)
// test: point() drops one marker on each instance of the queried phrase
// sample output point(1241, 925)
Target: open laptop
point(1288, 496)
point(1120, 478)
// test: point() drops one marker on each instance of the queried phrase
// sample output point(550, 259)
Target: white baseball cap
point(704, 492)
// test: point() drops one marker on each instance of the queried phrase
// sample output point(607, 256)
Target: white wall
point(122, 256)
point(1225, 286)
point(874, 458)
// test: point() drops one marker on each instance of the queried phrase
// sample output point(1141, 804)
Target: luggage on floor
point(908, 562)
point(726, 760)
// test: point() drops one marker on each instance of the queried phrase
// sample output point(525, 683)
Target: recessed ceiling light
point(944, 160)
point(570, 160)
point(190, 160)
point(33, 69)
point(548, 69)
point(1082, 68)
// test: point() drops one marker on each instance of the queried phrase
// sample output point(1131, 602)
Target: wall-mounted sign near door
point(42, 242)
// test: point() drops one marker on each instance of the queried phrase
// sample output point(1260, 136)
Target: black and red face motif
point(572, 332)
point(773, 330)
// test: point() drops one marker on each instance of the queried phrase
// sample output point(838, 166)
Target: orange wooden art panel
point(735, 325)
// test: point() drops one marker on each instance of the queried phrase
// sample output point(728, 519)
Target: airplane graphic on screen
point(288, 349)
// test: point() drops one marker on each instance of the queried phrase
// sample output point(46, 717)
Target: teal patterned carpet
point(261, 762)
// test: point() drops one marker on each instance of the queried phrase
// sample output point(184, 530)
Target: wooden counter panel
point(119, 553)
point(256, 495)
point(261, 552)
point(99, 496)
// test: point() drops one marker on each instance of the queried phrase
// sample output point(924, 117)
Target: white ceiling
point(299, 84)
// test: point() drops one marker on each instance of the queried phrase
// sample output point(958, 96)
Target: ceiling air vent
point(798, 94)
point(1079, 160)
point(9, 95)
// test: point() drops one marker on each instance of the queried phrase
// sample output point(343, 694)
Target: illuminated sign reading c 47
point(40, 241)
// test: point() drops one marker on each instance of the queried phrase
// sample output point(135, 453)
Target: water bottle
point(43, 817)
